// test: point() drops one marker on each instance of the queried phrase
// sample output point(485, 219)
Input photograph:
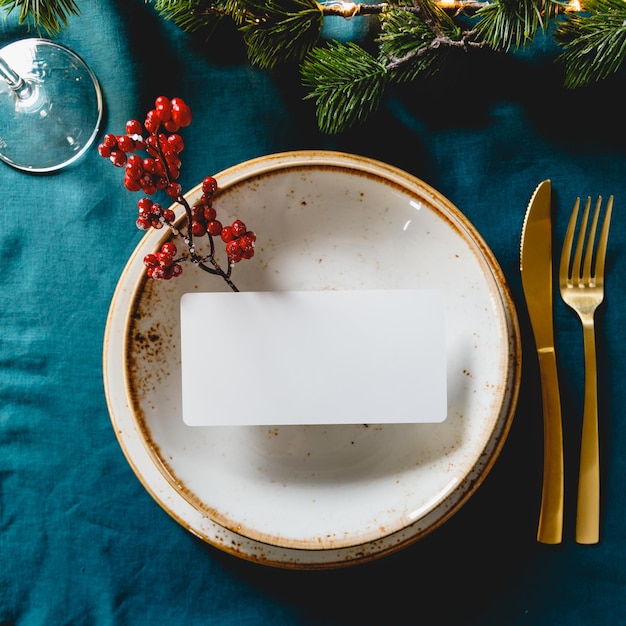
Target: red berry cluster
point(161, 168)
point(162, 265)
point(173, 114)
point(239, 241)
point(153, 214)
point(203, 215)
point(158, 170)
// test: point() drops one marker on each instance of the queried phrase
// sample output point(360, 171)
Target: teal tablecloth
point(82, 542)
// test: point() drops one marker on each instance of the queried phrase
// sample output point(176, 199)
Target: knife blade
point(536, 271)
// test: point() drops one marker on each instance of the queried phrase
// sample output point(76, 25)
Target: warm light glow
point(346, 9)
point(574, 6)
point(351, 9)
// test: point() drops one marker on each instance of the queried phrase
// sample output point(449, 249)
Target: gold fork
point(582, 288)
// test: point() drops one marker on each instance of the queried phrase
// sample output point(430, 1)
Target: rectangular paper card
point(313, 357)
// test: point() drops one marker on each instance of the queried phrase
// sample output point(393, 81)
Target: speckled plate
point(319, 496)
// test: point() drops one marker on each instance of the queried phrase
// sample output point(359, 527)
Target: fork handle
point(550, 529)
point(588, 507)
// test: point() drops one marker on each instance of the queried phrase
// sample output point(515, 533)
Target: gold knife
point(536, 270)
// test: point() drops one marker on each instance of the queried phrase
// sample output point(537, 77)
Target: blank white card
point(313, 357)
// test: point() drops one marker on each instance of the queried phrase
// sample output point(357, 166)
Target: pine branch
point(412, 42)
point(49, 16)
point(594, 43)
point(191, 15)
point(511, 24)
point(417, 43)
point(280, 31)
point(347, 84)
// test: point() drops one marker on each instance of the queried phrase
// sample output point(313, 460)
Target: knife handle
point(551, 514)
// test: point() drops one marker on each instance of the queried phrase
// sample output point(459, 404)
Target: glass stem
point(15, 82)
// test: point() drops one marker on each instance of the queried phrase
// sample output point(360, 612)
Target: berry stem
point(218, 270)
point(196, 259)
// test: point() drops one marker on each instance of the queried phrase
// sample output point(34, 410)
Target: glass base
point(53, 120)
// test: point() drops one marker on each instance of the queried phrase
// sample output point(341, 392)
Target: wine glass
point(50, 105)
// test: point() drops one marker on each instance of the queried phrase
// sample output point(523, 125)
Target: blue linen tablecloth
point(82, 542)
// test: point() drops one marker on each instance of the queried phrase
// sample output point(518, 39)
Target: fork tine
point(602, 244)
point(590, 243)
point(566, 253)
point(580, 242)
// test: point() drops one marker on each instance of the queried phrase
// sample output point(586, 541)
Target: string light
point(348, 9)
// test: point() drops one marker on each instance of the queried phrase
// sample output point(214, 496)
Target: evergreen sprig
point(192, 15)
point(280, 31)
point(346, 82)
point(594, 43)
point(412, 39)
point(512, 24)
point(416, 43)
point(50, 16)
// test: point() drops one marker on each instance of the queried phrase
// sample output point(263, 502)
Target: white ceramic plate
point(319, 496)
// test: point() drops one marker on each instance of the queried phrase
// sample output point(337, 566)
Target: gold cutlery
point(536, 270)
point(582, 288)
